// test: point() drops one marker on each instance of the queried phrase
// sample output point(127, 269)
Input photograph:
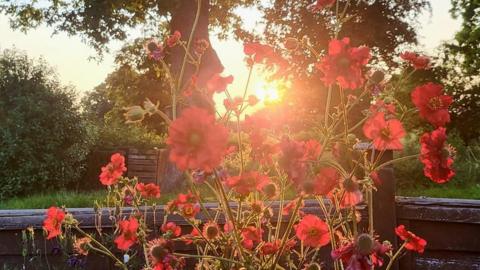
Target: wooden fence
point(451, 227)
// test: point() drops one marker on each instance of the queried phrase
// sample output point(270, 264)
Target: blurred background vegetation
point(47, 132)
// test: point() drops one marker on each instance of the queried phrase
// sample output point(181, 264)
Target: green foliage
point(100, 22)
point(468, 38)
point(449, 190)
point(43, 142)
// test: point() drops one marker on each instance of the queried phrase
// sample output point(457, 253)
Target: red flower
point(290, 206)
point(381, 106)
point(325, 181)
point(270, 247)
point(321, 4)
point(53, 222)
point(252, 100)
point(352, 194)
point(386, 134)
point(432, 103)
point(149, 190)
point(196, 141)
point(185, 205)
point(128, 233)
point(172, 229)
point(361, 254)
point(189, 238)
point(251, 235)
point(292, 160)
point(218, 84)
point(312, 231)
point(173, 39)
point(114, 170)
point(259, 51)
point(412, 241)
point(436, 157)
point(344, 64)
point(416, 60)
point(312, 149)
point(248, 182)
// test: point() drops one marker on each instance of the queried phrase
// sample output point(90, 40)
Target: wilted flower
point(148, 191)
point(211, 230)
point(81, 245)
point(154, 49)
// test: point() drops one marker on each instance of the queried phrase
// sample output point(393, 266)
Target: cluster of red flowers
point(295, 155)
point(343, 64)
point(156, 50)
point(196, 141)
point(148, 191)
point(416, 60)
point(436, 157)
point(114, 170)
point(248, 182)
point(128, 233)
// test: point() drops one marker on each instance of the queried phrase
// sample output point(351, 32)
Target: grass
point(470, 192)
point(69, 199)
point(72, 199)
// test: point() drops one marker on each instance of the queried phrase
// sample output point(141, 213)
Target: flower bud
point(211, 231)
point(365, 244)
point(134, 114)
point(270, 190)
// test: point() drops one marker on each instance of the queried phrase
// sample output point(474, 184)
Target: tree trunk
point(182, 20)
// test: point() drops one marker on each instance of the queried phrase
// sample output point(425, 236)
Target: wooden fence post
point(384, 207)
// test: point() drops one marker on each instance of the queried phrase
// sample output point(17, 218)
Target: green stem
point(287, 232)
point(206, 257)
point(228, 210)
point(392, 260)
point(106, 251)
point(396, 160)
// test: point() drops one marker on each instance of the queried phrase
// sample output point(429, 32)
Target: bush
point(43, 140)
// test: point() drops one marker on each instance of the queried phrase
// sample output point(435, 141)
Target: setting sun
point(267, 92)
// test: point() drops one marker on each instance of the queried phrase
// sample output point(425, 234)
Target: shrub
point(43, 140)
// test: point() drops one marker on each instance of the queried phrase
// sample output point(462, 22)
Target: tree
point(382, 25)
point(461, 64)
point(43, 141)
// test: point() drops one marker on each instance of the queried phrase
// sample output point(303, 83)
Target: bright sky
point(69, 55)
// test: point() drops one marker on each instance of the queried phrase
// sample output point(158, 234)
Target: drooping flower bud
point(134, 114)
